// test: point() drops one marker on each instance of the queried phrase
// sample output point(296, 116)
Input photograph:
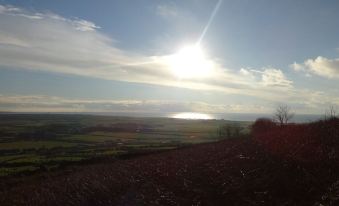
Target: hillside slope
point(230, 172)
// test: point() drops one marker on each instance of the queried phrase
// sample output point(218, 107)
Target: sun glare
point(190, 62)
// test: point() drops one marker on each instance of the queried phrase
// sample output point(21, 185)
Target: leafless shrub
point(331, 112)
point(283, 114)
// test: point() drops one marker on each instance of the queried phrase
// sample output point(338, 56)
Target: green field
point(32, 142)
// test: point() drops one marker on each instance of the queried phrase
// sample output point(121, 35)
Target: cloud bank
point(42, 103)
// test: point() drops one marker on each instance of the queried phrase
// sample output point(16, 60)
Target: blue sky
point(123, 56)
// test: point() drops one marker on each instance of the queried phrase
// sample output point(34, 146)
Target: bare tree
point(283, 114)
point(331, 112)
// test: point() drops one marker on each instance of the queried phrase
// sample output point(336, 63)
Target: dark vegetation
point(310, 142)
point(276, 164)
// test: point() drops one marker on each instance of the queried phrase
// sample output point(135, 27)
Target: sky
point(157, 56)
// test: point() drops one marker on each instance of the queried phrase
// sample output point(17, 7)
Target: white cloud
point(84, 25)
point(297, 67)
point(8, 9)
point(275, 78)
point(268, 77)
point(247, 73)
point(166, 10)
point(74, 46)
point(321, 66)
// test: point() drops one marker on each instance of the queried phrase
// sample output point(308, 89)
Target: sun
point(190, 62)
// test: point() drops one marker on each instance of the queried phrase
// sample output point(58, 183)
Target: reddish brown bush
point(262, 125)
point(304, 142)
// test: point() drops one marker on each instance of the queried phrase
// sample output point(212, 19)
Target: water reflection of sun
point(192, 115)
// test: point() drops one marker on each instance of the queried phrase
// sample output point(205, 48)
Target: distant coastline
point(298, 118)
